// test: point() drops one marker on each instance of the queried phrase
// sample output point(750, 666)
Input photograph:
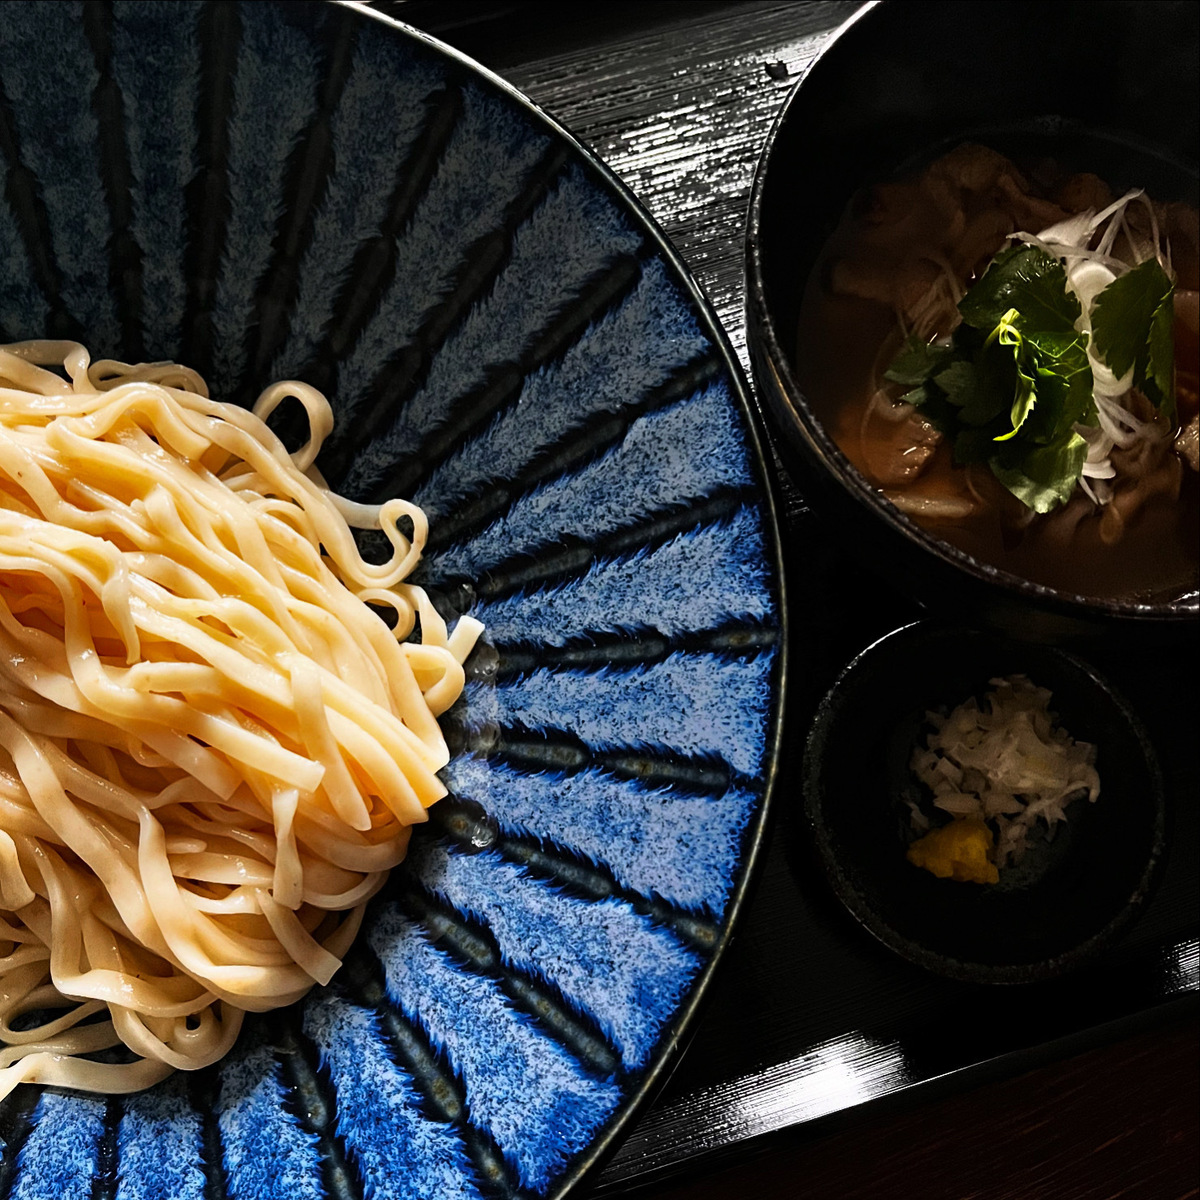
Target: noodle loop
point(211, 748)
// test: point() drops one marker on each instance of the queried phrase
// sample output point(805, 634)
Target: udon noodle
point(212, 748)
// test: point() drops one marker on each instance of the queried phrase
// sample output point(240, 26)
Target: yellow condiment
point(956, 851)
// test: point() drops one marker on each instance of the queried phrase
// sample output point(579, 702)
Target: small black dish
point(1068, 900)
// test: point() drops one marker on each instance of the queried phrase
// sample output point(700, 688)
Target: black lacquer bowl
point(1071, 896)
point(896, 85)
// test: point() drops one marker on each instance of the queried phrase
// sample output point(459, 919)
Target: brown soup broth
point(849, 331)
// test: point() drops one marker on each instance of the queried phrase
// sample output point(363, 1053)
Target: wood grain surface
point(1119, 1121)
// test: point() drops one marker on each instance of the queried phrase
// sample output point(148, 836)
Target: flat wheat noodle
point(212, 750)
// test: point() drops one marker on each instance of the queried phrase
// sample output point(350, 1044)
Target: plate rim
point(588, 1162)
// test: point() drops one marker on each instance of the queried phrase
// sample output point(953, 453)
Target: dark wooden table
point(1120, 1120)
point(821, 1068)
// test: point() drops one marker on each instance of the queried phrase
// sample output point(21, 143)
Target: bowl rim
point(796, 421)
point(830, 711)
point(608, 1138)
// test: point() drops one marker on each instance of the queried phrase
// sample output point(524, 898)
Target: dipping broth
point(903, 255)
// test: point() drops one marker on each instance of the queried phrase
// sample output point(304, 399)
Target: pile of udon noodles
point(922, 241)
point(212, 748)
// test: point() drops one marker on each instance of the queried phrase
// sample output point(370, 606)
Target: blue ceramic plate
point(265, 191)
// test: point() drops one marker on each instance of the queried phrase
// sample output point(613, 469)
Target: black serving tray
point(809, 1019)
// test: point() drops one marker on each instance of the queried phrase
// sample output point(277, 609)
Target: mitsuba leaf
point(958, 382)
point(1024, 400)
point(1028, 279)
point(1042, 477)
point(1123, 312)
point(1160, 368)
point(1007, 336)
point(1015, 379)
point(981, 390)
point(1132, 327)
point(1063, 401)
point(1063, 352)
point(916, 361)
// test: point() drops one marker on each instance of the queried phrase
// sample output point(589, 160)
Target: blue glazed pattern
point(265, 1151)
point(652, 841)
point(62, 1153)
point(399, 1150)
point(277, 190)
point(568, 942)
point(159, 1144)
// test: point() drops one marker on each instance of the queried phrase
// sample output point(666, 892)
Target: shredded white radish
point(1005, 759)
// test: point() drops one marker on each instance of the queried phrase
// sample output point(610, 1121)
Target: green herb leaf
point(916, 362)
point(1132, 327)
point(1064, 352)
point(1015, 379)
point(980, 390)
point(1028, 279)
point(1159, 384)
point(1024, 400)
point(1063, 401)
point(1008, 336)
point(959, 381)
point(1045, 476)
point(918, 395)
